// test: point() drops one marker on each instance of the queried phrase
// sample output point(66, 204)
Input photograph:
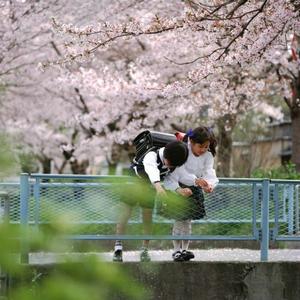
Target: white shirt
point(151, 165)
point(195, 167)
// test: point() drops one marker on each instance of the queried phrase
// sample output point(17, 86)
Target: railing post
point(5, 198)
point(5, 219)
point(36, 193)
point(297, 209)
point(291, 210)
point(276, 211)
point(24, 216)
point(255, 231)
point(265, 232)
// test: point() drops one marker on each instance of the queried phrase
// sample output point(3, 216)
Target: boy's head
point(175, 154)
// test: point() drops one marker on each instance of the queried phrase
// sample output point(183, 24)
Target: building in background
point(270, 151)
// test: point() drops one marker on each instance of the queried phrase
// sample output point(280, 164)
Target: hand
point(201, 182)
point(185, 192)
point(208, 189)
point(159, 189)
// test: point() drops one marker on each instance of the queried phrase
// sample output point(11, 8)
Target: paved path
point(215, 255)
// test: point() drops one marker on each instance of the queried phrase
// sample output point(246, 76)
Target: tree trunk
point(79, 167)
point(295, 118)
point(112, 169)
point(225, 126)
point(114, 158)
point(46, 165)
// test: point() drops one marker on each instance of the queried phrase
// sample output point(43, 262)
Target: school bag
point(148, 141)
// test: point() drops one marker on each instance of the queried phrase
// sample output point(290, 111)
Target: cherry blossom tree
point(84, 117)
point(220, 34)
point(133, 65)
point(286, 64)
point(41, 118)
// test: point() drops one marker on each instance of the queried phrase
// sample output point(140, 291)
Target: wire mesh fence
point(284, 210)
point(238, 209)
point(10, 201)
point(95, 205)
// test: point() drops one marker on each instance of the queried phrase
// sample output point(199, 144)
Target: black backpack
point(148, 141)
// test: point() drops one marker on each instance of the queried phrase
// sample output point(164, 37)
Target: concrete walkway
point(212, 255)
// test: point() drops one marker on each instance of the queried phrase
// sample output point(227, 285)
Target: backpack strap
point(163, 170)
point(139, 169)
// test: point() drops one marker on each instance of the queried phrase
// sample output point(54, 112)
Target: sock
point(176, 231)
point(186, 230)
point(176, 245)
point(185, 245)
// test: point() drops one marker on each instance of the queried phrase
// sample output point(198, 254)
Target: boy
point(154, 167)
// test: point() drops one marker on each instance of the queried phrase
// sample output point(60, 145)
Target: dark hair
point(200, 135)
point(176, 153)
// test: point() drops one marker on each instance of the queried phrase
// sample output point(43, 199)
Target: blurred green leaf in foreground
point(73, 279)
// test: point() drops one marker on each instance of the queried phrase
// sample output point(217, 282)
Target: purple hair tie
point(210, 130)
point(190, 133)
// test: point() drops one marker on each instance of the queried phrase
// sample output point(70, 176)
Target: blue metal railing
point(286, 229)
point(265, 209)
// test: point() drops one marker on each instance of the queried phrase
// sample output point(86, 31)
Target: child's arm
point(181, 175)
point(151, 169)
point(159, 189)
point(150, 166)
point(171, 182)
point(208, 180)
point(210, 174)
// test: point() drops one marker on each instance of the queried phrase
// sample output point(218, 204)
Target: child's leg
point(147, 223)
point(177, 230)
point(123, 220)
point(186, 230)
point(120, 230)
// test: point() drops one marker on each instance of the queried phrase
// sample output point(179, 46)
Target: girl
point(198, 175)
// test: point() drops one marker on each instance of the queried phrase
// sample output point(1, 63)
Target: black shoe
point(118, 256)
point(187, 255)
point(177, 256)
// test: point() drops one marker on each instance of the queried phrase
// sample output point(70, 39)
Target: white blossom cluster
point(113, 68)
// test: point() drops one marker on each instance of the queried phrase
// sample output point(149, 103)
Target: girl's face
point(199, 149)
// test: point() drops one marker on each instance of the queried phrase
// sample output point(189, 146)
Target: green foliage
point(88, 279)
point(287, 171)
point(223, 229)
point(7, 160)
point(73, 279)
point(28, 163)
